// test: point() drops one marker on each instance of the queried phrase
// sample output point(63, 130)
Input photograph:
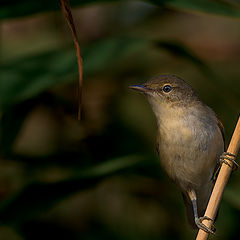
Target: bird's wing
point(221, 127)
point(217, 168)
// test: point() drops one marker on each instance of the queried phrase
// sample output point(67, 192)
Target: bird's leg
point(198, 220)
point(231, 157)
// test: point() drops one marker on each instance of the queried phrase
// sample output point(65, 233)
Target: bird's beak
point(141, 88)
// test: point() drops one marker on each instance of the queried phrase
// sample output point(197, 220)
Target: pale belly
point(189, 154)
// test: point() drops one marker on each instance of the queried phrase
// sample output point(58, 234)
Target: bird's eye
point(167, 88)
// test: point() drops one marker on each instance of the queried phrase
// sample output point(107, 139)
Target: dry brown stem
point(69, 18)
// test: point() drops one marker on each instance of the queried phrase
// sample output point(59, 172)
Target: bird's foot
point(200, 225)
point(231, 157)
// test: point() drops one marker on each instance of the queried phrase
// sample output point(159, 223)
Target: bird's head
point(167, 90)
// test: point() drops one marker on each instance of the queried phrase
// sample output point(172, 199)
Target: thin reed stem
point(221, 182)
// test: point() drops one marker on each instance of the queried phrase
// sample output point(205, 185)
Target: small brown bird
point(190, 140)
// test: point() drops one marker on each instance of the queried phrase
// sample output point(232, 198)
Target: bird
point(190, 141)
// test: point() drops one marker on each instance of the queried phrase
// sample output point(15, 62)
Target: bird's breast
point(188, 147)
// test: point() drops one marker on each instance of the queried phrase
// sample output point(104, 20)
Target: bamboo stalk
point(220, 184)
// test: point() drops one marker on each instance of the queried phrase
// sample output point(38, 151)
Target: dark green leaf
point(218, 7)
point(27, 77)
point(39, 196)
point(181, 50)
point(15, 8)
point(11, 123)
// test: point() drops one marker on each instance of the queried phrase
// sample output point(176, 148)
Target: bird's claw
point(231, 157)
point(203, 227)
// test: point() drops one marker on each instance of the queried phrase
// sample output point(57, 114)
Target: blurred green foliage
point(99, 178)
point(14, 8)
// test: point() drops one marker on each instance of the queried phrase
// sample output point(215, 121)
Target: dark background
point(99, 178)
